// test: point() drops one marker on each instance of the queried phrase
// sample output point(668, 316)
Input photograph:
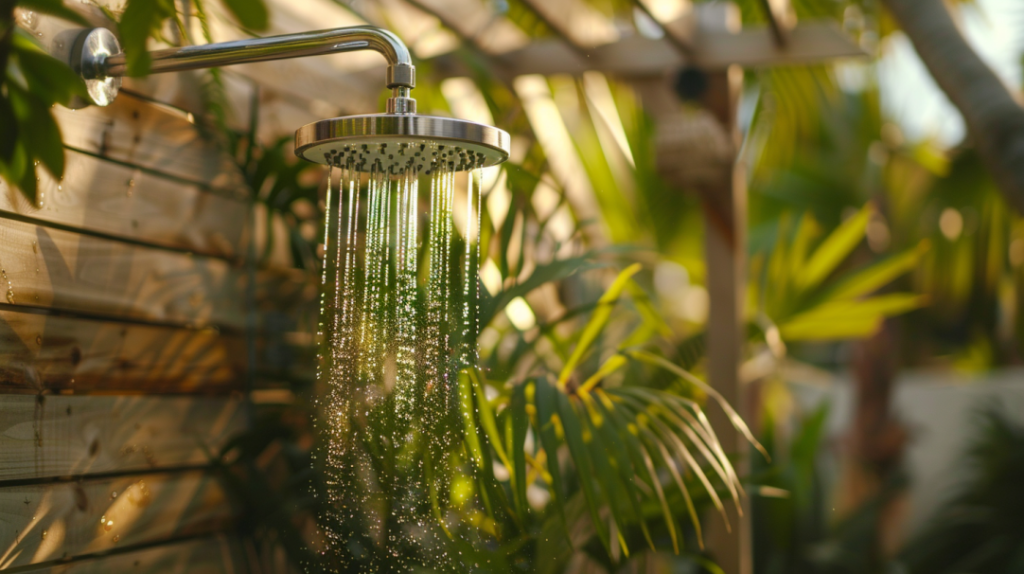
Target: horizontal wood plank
point(105, 197)
point(211, 555)
point(56, 269)
point(637, 56)
point(45, 522)
point(41, 353)
point(137, 132)
point(60, 436)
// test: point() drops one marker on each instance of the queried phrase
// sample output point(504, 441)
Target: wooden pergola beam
point(781, 20)
point(637, 56)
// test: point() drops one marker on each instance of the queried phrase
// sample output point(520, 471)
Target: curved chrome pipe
point(401, 74)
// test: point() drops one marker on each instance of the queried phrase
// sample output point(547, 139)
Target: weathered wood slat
point(41, 523)
point(137, 132)
point(636, 56)
point(109, 198)
point(46, 353)
point(44, 267)
point(57, 436)
point(212, 555)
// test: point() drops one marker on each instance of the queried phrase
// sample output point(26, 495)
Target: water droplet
point(108, 525)
point(113, 495)
point(35, 247)
point(29, 19)
point(39, 340)
point(10, 296)
point(43, 533)
point(116, 538)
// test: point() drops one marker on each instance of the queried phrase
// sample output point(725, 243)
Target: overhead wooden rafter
point(639, 56)
point(781, 19)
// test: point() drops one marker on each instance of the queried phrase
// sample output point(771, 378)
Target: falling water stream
point(399, 319)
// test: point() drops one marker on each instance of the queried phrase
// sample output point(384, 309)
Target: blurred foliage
point(980, 528)
point(31, 82)
point(581, 436)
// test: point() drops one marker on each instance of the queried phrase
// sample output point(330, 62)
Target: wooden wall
point(134, 329)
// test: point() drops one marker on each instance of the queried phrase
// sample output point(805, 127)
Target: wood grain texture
point(62, 436)
point(51, 268)
point(42, 353)
point(104, 197)
point(160, 138)
point(40, 523)
point(212, 555)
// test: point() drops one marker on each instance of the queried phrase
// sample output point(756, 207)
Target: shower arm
point(99, 60)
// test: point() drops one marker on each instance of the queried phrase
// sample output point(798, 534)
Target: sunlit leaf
point(624, 462)
point(140, 19)
point(610, 488)
point(517, 424)
point(734, 417)
point(805, 233)
point(835, 248)
point(546, 401)
point(642, 465)
point(701, 437)
point(657, 430)
point(573, 430)
point(467, 408)
point(868, 280)
point(665, 458)
point(848, 319)
point(597, 321)
point(553, 271)
point(49, 79)
point(614, 363)
point(486, 415)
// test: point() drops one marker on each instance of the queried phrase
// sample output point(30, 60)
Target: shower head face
point(401, 143)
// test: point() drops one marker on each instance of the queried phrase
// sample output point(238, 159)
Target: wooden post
point(725, 252)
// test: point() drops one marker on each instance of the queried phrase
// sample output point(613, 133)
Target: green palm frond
point(807, 298)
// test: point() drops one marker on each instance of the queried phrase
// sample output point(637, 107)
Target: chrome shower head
point(401, 143)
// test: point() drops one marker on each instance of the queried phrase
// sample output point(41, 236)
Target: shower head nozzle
point(401, 143)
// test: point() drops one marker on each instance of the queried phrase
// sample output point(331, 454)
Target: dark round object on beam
point(691, 83)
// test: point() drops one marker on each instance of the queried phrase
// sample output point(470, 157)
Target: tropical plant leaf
point(549, 430)
point(610, 448)
point(54, 8)
point(39, 132)
point(610, 489)
point(834, 249)
point(573, 429)
point(554, 271)
point(516, 425)
point(653, 429)
point(49, 79)
point(642, 464)
point(871, 278)
point(10, 140)
point(734, 417)
point(141, 18)
point(665, 458)
point(251, 14)
point(848, 319)
point(468, 407)
point(485, 413)
point(597, 321)
point(658, 405)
